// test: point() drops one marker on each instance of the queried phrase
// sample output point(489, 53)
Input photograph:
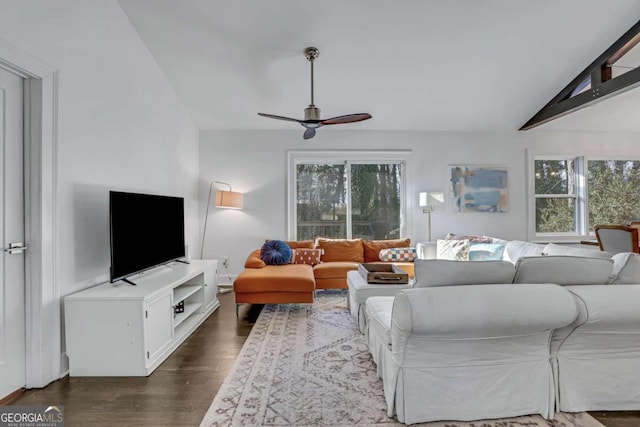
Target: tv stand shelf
point(122, 330)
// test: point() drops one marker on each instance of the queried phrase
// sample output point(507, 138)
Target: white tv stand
point(123, 330)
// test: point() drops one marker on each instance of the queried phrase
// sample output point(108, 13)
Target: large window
point(573, 195)
point(346, 197)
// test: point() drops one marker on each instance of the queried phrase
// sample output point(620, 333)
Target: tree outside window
point(611, 190)
point(348, 200)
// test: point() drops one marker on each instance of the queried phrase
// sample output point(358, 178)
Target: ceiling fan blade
point(271, 116)
point(349, 118)
point(309, 133)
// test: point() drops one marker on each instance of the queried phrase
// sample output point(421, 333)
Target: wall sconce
point(428, 201)
point(225, 199)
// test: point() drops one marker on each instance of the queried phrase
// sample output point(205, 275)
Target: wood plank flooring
point(180, 391)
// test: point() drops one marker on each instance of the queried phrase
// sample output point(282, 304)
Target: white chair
point(617, 238)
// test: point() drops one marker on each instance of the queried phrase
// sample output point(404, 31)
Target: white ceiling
point(464, 65)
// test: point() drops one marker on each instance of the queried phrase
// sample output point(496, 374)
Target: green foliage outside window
point(321, 206)
point(614, 191)
point(612, 187)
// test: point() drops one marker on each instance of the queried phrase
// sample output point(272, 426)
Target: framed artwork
point(479, 188)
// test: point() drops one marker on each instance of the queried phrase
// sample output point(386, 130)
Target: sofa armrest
point(254, 260)
point(423, 317)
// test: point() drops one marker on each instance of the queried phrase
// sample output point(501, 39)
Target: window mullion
point(582, 212)
point(347, 166)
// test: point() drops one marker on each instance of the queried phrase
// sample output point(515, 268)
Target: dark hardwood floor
point(180, 391)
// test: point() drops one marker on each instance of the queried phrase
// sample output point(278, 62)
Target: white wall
point(255, 162)
point(120, 125)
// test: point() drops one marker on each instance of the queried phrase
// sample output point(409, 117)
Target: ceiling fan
point(312, 120)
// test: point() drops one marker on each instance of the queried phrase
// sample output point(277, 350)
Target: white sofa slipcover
point(597, 358)
point(360, 290)
point(564, 270)
point(441, 272)
point(467, 352)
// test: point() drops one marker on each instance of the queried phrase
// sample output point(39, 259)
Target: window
point(346, 195)
point(614, 191)
point(555, 196)
point(573, 195)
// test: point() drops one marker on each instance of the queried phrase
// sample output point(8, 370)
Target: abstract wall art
point(479, 188)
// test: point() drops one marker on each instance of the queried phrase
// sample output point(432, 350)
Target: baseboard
point(12, 397)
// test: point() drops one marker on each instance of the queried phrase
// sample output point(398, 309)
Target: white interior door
point(12, 292)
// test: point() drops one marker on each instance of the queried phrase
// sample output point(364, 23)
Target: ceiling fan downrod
point(311, 112)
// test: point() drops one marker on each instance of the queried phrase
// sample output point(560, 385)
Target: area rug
point(307, 365)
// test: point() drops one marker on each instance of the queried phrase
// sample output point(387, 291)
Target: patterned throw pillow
point(453, 250)
point(306, 256)
point(398, 254)
point(470, 237)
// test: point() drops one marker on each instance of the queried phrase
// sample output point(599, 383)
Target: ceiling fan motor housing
point(312, 113)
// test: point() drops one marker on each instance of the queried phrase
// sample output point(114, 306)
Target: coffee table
point(360, 290)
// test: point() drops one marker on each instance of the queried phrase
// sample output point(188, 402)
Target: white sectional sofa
point(467, 352)
point(452, 347)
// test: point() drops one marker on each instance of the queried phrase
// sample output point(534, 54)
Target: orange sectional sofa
point(296, 283)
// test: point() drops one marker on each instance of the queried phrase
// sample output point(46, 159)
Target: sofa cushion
point(626, 268)
point(516, 249)
point(554, 249)
point(334, 270)
point(398, 254)
point(254, 261)
point(372, 248)
point(300, 244)
point(563, 270)
point(454, 250)
point(438, 272)
point(297, 244)
point(341, 249)
point(276, 278)
point(378, 312)
point(275, 252)
point(306, 256)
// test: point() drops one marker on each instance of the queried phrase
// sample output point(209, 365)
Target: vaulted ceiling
point(467, 65)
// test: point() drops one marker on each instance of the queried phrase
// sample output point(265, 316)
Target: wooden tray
point(387, 274)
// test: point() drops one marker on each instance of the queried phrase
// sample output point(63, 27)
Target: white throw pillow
point(439, 272)
point(453, 250)
point(626, 268)
point(553, 249)
point(564, 270)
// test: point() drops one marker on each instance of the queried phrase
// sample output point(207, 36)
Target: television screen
point(146, 231)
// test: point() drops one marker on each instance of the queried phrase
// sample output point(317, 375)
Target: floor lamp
point(428, 201)
point(225, 199)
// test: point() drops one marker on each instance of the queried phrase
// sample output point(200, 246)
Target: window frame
point(579, 196)
point(582, 204)
point(294, 158)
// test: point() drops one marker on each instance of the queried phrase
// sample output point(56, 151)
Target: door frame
point(42, 290)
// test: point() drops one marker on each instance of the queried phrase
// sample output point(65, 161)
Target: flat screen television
point(146, 231)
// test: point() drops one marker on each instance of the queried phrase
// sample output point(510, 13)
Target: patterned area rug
point(307, 365)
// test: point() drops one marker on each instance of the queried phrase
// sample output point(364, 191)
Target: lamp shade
point(229, 199)
point(431, 198)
